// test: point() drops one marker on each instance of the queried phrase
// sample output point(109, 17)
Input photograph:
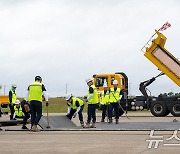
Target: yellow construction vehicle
point(4, 101)
point(166, 63)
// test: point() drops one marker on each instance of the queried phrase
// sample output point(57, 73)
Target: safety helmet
point(17, 102)
point(38, 78)
point(68, 97)
point(105, 85)
point(89, 80)
point(14, 85)
point(115, 82)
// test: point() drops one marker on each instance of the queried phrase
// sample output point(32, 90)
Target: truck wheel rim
point(158, 108)
point(176, 108)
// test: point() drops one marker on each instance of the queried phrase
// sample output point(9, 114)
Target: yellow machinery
point(4, 100)
point(101, 79)
point(163, 59)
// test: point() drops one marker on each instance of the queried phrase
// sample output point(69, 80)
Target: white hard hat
point(68, 97)
point(14, 85)
point(17, 101)
point(89, 80)
point(115, 82)
point(105, 85)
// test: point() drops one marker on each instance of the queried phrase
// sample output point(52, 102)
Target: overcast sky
point(67, 41)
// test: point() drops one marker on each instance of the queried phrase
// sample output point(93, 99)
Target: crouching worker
point(26, 111)
point(75, 106)
point(22, 111)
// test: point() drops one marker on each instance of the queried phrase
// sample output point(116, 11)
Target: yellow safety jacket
point(35, 91)
point(94, 98)
point(73, 104)
point(18, 111)
point(13, 97)
point(114, 95)
point(104, 98)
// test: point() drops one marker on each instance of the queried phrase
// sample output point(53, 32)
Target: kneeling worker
point(21, 110)
point(18, 113)
point(75, 106)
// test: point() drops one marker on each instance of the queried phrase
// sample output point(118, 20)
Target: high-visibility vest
point(35, 91)
point(13, 97)
point(104, 98)
point(73, 104)
point(94, 98)
point(114, 95)
point(18, 111)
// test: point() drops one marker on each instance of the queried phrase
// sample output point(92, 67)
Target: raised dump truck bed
point(163, 59)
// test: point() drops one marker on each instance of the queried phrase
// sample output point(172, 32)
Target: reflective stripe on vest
point(35, 91)
point(73, 104)
point(13, 97)
point(104, 98)
point(18, 111)
point(94, 98)
point(114, 95)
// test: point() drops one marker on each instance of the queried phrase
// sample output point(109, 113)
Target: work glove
point(47, 103)
point(74, 115)
point(85, 98)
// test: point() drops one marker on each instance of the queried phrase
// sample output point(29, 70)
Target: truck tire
point(175, 109)
point(159, 109)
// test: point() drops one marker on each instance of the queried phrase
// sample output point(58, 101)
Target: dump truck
point(4, 102)
point(161, 105)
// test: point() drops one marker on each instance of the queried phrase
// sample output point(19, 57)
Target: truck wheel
point(159, 109)
point(175, 109)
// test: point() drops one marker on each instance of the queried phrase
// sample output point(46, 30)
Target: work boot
point(102, 120)
point(87, 125)
point(35, 129)
point(117, 121)
point(93, 125)
point(110, 120)
point(82, 123)
point(24, 127)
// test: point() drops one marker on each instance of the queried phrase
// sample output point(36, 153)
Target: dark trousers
point(26, 117)
point(79, 113)
point(11, 107)
point(115, 107)
point(91, 113)
point(104, 109)
point(36, 111)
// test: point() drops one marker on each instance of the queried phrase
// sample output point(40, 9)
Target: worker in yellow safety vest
point(35, 92)
point(92, 100)
point(104, 101)
point(12, 100)
point(18, 112)
point(114, 99)
point(75, 106)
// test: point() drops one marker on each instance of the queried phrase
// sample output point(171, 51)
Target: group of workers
point(31, 106)
point(109, 102)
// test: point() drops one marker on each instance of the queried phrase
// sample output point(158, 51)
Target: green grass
point(58, 105)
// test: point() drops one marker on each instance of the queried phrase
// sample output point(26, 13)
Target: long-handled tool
point(121, 106)
point(48, 126)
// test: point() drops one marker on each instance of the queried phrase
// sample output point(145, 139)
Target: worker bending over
point(114, 99)
point(104, 101)
point(35, 92)
point(92, 100)
point(12, 100)
point(75, 106)
point(21, 110)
